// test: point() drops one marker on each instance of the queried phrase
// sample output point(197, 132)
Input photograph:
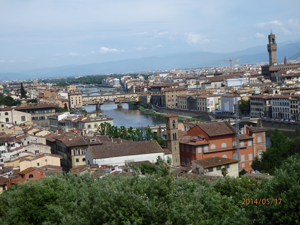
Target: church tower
point(172, 137)
point(272, 48)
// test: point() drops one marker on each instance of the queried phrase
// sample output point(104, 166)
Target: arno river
point(134, 118)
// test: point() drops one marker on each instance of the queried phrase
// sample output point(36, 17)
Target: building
point(281, 106)
point(40, 160)
point(40, 112)
point(10, 115)
point(273, 71)
point(218, 139)
point(75, 99)
point(172, 137)
point(73, 148)
point(228, 103)
point(213, 166)
point(169, 96)
point(125, 152)
point(261, 106)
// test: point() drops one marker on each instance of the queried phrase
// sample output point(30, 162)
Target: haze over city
point(40, 34)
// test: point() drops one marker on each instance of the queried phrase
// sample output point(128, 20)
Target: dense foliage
point(244, 106)
point(281, 148)
point(60, 109)
point(129, 134)
point(8, 100)
point(32, 101)
point(155, 199)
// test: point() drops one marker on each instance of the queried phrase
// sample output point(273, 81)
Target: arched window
point(95, 125)
point(187, 162)
point(174, 124)
point(235, 156)
point(223, 145)
point(6, 113)
point(213, 147)
point(30, 176)
point(183, 162)
point(224, 156)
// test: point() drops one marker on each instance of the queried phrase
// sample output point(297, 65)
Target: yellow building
point(75, 99)
point(40, 161)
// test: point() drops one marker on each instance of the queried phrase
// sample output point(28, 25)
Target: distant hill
point(255, 54)
point(295, 57)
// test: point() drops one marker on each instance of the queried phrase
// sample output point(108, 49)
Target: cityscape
point(153, 137)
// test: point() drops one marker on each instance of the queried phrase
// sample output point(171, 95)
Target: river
point(134, 118)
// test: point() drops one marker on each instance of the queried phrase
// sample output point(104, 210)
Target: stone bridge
point(246, 120)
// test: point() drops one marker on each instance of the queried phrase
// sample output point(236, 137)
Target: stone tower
point(285, 61)
point(272, 48)
point(172, 137)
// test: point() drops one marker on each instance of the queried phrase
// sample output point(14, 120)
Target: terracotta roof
point(71, 140)
point(217, 129)
point(3, 180)
point(245, 136)
point(124, 149)
point(214, 161)
point(28, 170)
point(171, 115)
point(173, 89)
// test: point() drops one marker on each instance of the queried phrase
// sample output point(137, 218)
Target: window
point(6, 120)
point(38, 164)
point(187, 148)
point(218, 167)
point(242, 143)
point(174, 124)
point(193, 149)
point(199, 149)
point(83, 152)
point(89, 126)
point(249, 143)
point(182, 147)
point(224, 156)
point(250, 156)
point(76, 152)
point(206, 148)
point(227, 166)
point(243, 165)
point(30, 176)
point(210, 169)
point(259, 153)
point(83, 160)
point(235, 156)
point(234, 143)
point(223, 145)
point(77, 160)
point(37, 151)
point(188, 162)
point(213, 147)
point(182, 161)
point(6, 113)
point(259, 138)
point(95, 125)
point(242, 158)
point(23, 118)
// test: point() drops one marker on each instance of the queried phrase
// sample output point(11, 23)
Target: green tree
point(224, 172)
point(244, 106)
point(66, 107)
point(267, 91)
point(32, 101)
point(276, 153)
point(23, 92)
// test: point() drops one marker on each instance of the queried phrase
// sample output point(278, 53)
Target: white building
point(123, 153)
point(236, 82)
point(228, 102)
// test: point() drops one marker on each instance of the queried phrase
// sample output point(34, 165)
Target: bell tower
point(272, 48)
point(172, 137)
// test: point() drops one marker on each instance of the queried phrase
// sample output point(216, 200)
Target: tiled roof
point(3, 180)
point(245, 136)
point(72, 140)
point(173, 89)
point(28, 170)
point(217, 129)
point(214, 161)
point(124, 149)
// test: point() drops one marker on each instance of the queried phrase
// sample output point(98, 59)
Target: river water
point(134, 118)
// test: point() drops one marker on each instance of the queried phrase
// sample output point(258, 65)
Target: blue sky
point(37, 34)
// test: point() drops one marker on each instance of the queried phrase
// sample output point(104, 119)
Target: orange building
point(218, 139)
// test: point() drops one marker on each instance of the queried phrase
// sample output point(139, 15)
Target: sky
point(38, 34)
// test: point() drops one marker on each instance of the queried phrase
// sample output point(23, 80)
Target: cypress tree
point(23, 92)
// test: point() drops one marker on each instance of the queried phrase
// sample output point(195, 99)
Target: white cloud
point(293, 22)
point(141, 48)
point(259, 35)
point(108, 50)
point(58, 54)
point(196, 38)
point(274, 22)
point(158, 46)
point(285, 31)
point(12, 61)
point(92, 52)
point(2, 61)
point(74, 54)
